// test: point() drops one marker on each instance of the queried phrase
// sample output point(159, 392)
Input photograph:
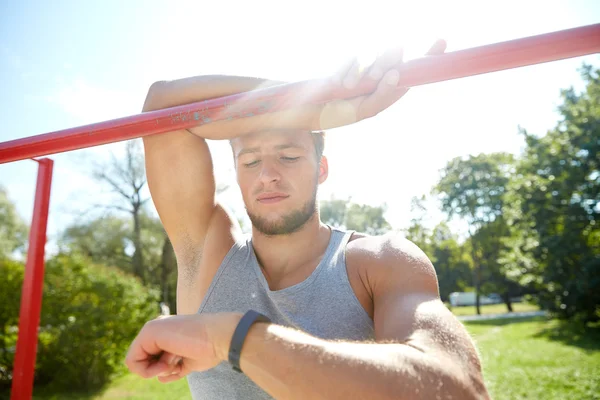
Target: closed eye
point(290, 159)
point(251, 164)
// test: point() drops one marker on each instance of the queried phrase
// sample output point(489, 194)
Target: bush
point(90, 315)
point(10, 298)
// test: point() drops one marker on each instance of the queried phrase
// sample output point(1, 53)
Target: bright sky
point(70, 63)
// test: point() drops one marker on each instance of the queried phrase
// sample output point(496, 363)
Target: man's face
point(278, 174)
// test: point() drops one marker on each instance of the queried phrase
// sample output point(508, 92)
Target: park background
point(524, 142)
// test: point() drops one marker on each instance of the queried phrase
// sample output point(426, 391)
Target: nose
point(269, 173)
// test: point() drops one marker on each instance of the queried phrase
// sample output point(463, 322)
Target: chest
point(194, 296)
point(356, 272)
point(331, 303)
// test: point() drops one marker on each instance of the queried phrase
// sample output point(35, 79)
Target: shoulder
point(391, 259)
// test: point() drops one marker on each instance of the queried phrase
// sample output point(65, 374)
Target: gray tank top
point(323, 305)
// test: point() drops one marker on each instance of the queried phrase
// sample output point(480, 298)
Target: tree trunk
point(164, 287)
point(506, 298)
point(476, 276)
point(138, 262)
point(168, 267)
point(477, 290)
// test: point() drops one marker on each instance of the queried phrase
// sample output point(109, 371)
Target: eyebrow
point(278, 147)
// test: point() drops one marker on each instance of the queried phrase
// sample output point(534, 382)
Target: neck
point(282, 255)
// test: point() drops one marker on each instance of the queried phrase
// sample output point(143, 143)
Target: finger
point(386, 94)
point(160, 368)
point(172, 360)
point(168, 364)
point(338, 77)
point(170, 378)
point(389, 59)
point(143, 351)
point(438, 47)
point(353, 75)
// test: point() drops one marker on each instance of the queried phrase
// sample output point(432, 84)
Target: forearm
point(168, 94)
point(292, 365)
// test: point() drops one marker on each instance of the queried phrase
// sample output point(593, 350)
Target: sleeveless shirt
point(323, 305)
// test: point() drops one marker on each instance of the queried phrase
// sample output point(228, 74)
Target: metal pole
point(33, 282)
point(478, 60)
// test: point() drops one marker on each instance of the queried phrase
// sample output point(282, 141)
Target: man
point(344, 315)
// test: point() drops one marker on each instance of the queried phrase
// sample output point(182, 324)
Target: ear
point(323, 170)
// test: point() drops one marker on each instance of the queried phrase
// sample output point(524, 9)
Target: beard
point(289, 223)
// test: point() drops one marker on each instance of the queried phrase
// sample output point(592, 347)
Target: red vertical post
point(33, 282)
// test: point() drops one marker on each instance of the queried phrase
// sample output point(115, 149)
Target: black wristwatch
point(237, 341)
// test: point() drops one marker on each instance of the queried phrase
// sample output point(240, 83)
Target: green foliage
point(108, 240)
point(553, 208)
point(104, 240)
point(10, 299)
point(358, 217)
point(474, 189)
point(13, 230)
point(417, 232)
point(491, 242)
point(156, 248)
point(90, 315)
point(451, 260)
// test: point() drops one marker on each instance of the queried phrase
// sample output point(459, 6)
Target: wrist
point(222, 332)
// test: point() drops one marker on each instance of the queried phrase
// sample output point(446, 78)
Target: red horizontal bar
point(478, 60)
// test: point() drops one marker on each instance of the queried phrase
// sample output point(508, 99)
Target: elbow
point(460, 382)
point(155, 94)
point(473, 388)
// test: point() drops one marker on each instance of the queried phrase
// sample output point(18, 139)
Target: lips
point(271, 197)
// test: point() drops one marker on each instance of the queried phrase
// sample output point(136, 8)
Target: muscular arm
point(421, 350)
point(181, 181)
point(180, 173)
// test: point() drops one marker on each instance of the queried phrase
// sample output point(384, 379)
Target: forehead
point(272, 140)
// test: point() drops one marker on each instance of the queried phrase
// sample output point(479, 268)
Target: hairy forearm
point(168, 94)
point(293, 365)
point(165, 94)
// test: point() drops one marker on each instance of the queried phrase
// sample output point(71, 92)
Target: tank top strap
point(339, 256)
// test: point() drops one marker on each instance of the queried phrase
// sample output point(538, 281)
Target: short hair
point(318, 138)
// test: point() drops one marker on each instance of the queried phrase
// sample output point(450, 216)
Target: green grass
point(132, 387)
point(531, 358)
point(127, 387)
point(494, 309)
point(538, 359)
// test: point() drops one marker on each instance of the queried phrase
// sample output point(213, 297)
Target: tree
point(417, 232)
point(490, 239)
point(473, 188)
point(127, 177)
point(108, 240)
point(553, 205)
point(353, 216)
point(11, 285)
point(159, 258)
point(13, 230)
point(105, 240)
point(451, 260)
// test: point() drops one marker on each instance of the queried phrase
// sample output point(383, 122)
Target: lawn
point(532, 358)
point(538, 358)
